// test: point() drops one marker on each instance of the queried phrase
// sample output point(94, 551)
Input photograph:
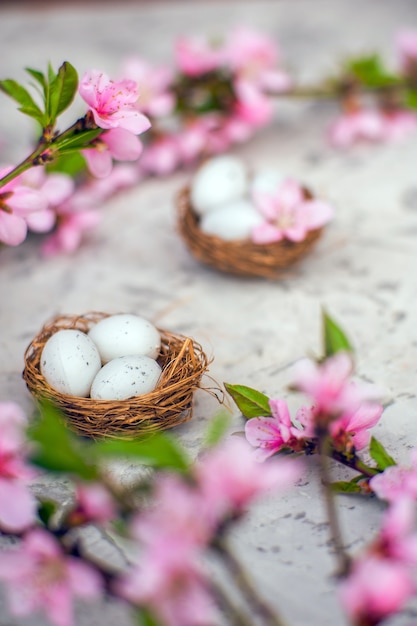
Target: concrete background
point(363, 271)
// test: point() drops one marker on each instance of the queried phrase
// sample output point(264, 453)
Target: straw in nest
point(183, 364)
point(242, 257)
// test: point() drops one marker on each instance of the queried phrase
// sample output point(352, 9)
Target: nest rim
point(240, 257)
point(183, 364)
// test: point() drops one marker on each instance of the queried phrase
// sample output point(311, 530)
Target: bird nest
point(241, 257)
point(183, 364)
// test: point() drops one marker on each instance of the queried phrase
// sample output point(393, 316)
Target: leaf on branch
point(335, 339)
point(62, 89)
point(380, 455)
point(156, 450)
point(56, 448)
point(345, 486)
point(78, 141)
point(23, 97)
point(371, 72)
point(252, 403)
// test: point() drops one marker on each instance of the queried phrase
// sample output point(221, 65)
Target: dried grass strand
point(183, 363)
point(242, 257)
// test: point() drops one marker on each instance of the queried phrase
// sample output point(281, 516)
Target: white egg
point(125, 334)
point(267, 181)
point(69, 362)
point(126, 377)
point(219, 180)
point(233, 221)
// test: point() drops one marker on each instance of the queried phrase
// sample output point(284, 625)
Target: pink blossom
point(171, 582)
point(375, 589)
point(154, 84)
point(17, 505)
point(361, 124)
point(397, 482)
point(119, 144)
point(94, 504)
point(288, 214)
point(195, 56)
point(230, 479)
point(353, 428)
point(39, 576)
point(56, 187)
point(399, 124)
point(271, 434)
point(160, 156)
point(113, 103)
point(330, 386)
point(407, 50)
point(69, 232)
point(17, 202)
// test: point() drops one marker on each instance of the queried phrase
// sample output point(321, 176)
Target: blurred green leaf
point(27, 105)
point(217, 428)
point(343, 486)
point(157, 450)
point(46, 510)
point(380, 455)
point(371, 72)
point(411, 98)
point(252, 403)
point(335, 339)
point(56, 448)
point(143, 617)
point(71, 163)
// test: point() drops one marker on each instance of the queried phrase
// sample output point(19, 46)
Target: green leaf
point(252, 403)
point(63, 87)
point(217, 428)
point(23, 97)
point(78, 141)
point(335, 339)
point(380, 455)
point(46, 510)
point(344, 486)
point(411, 98)
point(143, 617)
point(157, 450)
point(371, 72)
point(38, 76)
point(71, 163)
point(57, 449)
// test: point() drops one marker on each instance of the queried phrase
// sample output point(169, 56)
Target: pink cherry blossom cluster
point(170, 536)
point(347, 408)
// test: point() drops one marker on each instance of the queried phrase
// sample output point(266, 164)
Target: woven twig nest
point(241, 257)
point(183, 364)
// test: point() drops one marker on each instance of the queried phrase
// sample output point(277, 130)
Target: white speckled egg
point(221, 179)
point(267, 181)
point(233, 221)
point(126, 377)
point(125, 334)
point(69, 362)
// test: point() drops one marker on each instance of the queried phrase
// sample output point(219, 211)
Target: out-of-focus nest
point(183, 364)
point(241, 257)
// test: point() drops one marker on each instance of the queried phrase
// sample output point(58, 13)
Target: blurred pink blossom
point(396, 481)
point(154, 83)
point(117, 143)
point(330, 386)
point(17, 202)
point(288, 214)
point(94, 504)
point(271, 434)
point(361, 124)
point(69, 232)
point(407, 51)
point(113, 103)
point(160, 157)
point(195, 56)
point(38, 575)
point(399, 124)
point(171, 582)
point(229, 478)
point(17, 505)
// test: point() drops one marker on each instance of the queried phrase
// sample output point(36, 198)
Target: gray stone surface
point(363, 271)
